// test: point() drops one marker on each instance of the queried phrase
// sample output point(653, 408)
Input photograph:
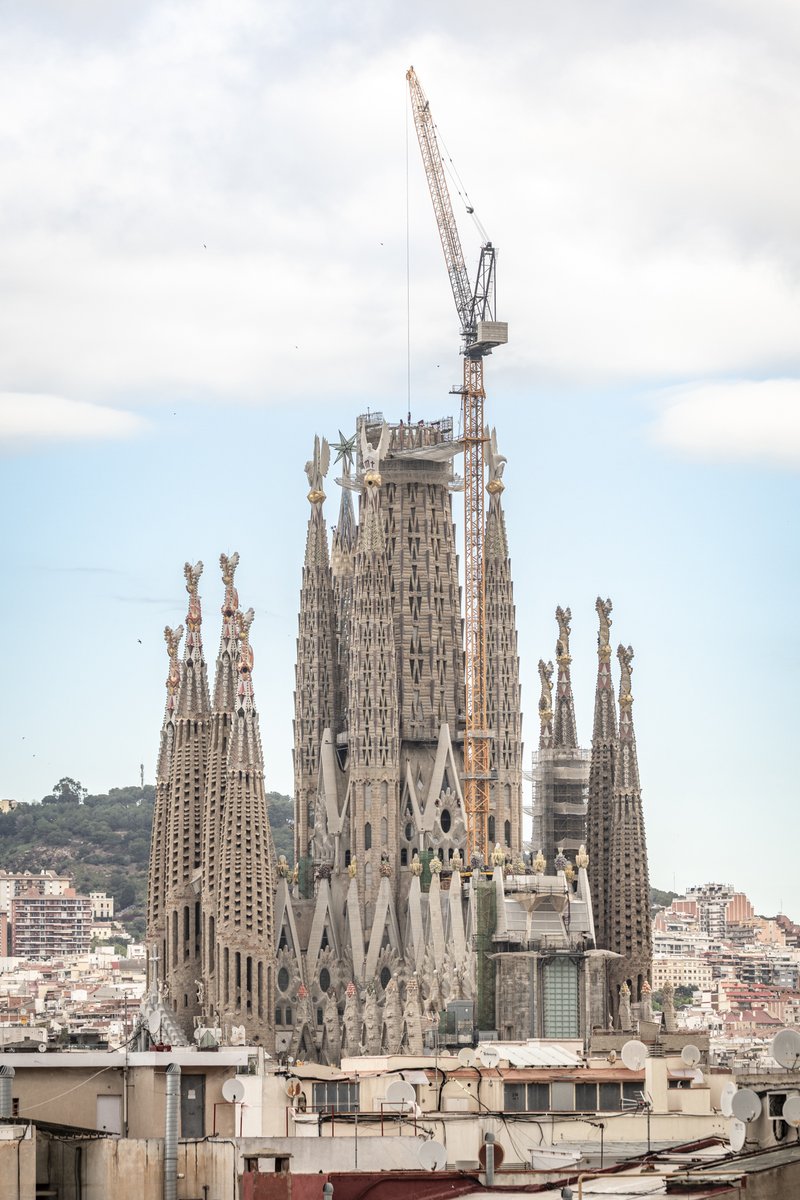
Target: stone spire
point(546, 705)
point(343, 549)
point(245, 950)
point(316, 672)
point(601, 778)
point(372, 690)
point(156, 876)
point(502, 668)
point(184, 843)
point(565, 734)
point(629, 928)
point(225, 701)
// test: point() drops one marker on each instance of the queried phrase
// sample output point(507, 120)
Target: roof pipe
point(6, 1084)
point(173, 1098)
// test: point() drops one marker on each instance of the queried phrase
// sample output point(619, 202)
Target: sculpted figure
point(625, 656)
point(647, 1002)
point(371, 456)
point(625, 1020)
point(604, 608)
point(330, 1021)
point(228, 566)
point(351, 1021)
point(668, 1006)
point(546, 698)
point(497, 463)
point(192, 576)
point(245, 649)
point(173, 639)
point(564, 618)
point(317, 469)
point(392, 1032)
point(371, 1028)
point(412, 1019)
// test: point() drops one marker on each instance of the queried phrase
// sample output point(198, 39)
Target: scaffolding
point(560, 778)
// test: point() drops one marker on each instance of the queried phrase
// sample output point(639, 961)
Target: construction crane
point(480, 333)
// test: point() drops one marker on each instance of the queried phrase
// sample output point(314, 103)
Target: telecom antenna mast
point(480, 332)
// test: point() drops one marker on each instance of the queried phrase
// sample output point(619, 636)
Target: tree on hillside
point(66, 791)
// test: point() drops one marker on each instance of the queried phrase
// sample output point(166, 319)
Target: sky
point(217, 241)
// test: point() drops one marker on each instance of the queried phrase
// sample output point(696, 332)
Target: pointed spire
point(245, 752)
point(629, 930)
point(601, 778)
point(565, 734)
point(194, 699)
point(225, 675)
point(172, 637)
point(546, 705)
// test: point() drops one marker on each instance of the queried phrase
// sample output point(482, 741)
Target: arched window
point(367, 836)
point(384, 831)
point(508, 833)
point(490, 831)
point(403, 857)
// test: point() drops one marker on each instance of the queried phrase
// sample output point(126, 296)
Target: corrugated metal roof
point(535, 1054)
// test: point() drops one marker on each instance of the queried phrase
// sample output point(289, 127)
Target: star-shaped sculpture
point(345, 450)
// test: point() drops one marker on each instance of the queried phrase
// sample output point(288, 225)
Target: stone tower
point(601, 778)
point(629, 926)
point(504, 716)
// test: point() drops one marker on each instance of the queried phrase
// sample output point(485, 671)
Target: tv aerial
point(432, 1156)
point(690, 1056)
point(745, 1105)
point(233, 1091)
point(785, 1048)
point(634, 1054)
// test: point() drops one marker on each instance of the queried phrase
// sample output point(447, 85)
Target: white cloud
point(741, 421)
point(27, 419)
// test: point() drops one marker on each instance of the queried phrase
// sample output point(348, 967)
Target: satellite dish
point(154, 1025)
point(467, 1057)
point(400, 1092)
point(728, 1092)
point(791, 1111)
point(785, 1048)
point(293, 1088)
point(737, 1132)
point(42, 1047)
point(488, 1055)
point(233, 1091)
point(690, 1055)
point(634, 1055)
point(432, 1156)
point(745, 1105)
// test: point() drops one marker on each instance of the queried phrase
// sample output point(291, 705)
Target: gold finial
point(496, 463)
point(416, 866)
point(317, 469)
point(352, 868)
point(283, 866)
point(540, 863)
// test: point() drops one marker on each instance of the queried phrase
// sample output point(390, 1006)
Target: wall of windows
point(563, 1095)
point(561, 999)
point(336, 1096)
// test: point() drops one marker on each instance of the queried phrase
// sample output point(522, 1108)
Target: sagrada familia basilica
point(380, 937)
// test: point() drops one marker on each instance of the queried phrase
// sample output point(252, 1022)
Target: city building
point(47, 926)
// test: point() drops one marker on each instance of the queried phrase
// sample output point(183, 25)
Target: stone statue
point(192, 576)
point(201, 991)
point(330, 1024)
point(668, 1006)
point(498, 855)
point(245, 649)
point(497, 463)
point(371, 456)
point(625, 656)
point(546, 698)
point(582, 859)
point(604, 608)
point(539, 863)
point(412, 1019)
point(351, 1021)
point(647, 1002)
point(371, 1026)
point(283, 866)
point(564, 617)
point(625, 1019)
point(317, 469)
point(230, 604)
point(392, 1031)
point(173, 639)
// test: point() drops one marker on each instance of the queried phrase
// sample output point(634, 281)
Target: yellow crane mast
point(480, 332)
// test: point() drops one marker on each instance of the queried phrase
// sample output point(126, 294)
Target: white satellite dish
point(293, 1088)
point(488, 1055)
point(400, 1093)
point(785, 1048)
point(690, 1055)
point(726, 1096)
point(233, 1091)
point(466, 1057)
point(432, 1156)
point(745, 1105)
point(791, 1111)
point(154, 1025)
point(737, 1132)
point(634, 1055)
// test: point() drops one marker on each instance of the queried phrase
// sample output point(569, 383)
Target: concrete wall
point(134, 1170)
point(17, 1163)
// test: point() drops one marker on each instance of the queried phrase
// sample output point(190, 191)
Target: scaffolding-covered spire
point(565, 733)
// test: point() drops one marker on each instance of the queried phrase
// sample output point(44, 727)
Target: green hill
point(103, 841)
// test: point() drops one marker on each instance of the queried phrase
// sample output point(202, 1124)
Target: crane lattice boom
point(480, 332)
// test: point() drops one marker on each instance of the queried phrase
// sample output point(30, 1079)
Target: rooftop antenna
point(690, 1056)
point(634, 1054)
point(785, 1049)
